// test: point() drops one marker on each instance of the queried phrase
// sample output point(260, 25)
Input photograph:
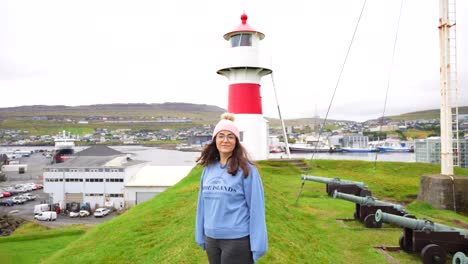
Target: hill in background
point(199, 113)
point(178, 107)
point(114, 110)
point(426, 114)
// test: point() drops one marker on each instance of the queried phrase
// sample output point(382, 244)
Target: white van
point(46, 216)
point(39, 208)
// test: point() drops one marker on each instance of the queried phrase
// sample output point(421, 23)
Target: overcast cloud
point(97, 52)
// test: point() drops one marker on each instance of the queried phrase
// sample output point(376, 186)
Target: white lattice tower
point(452, 18)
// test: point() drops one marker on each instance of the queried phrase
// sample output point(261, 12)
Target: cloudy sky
point(97, 52)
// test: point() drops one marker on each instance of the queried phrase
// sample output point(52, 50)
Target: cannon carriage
point(432, 240)
point(459, 258)
point(344, 186)
point(367, 206)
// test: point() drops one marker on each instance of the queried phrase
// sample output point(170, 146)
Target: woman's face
point(225, 142)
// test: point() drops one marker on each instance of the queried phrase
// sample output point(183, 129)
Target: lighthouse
point(244, 66)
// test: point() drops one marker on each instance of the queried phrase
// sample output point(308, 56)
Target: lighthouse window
point(241, 40)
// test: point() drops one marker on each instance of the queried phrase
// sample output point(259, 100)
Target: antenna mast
point(448, 84)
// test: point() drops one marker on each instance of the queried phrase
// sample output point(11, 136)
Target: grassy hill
point(162, 230)
point(201, 112)
point(196, 112)
point(21, 117)
point(109, 110)
point(60, 117)
point(427, 114)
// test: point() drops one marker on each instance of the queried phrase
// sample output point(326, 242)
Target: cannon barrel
point(459, 258)
point(417, 224)
point(332, 180)
point(368, 200)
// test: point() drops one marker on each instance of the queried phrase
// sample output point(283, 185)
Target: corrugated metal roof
point(99, 150)
point(98, 156)
point(96, 162)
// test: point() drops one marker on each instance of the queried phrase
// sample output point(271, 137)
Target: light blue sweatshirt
point(231, 207)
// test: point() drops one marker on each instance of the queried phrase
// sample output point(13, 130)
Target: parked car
point(25, 198)
point(30, 197)
point(39, 208)
point(6, 202)
point(19, 200)
point(46, 216)
point(100, 212)
point(83, 213)
point(11, 191)
point(74, 214)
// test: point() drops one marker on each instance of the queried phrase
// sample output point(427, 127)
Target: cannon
point(367, 206)
point(344, 186)
point(434, 241)
point(459, 258)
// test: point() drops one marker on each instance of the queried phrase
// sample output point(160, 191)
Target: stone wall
point(440, 191)
point(8, 224)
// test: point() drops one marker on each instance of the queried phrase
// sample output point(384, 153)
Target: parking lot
point(26, 211)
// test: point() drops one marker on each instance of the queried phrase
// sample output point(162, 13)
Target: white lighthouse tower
point(244, 67)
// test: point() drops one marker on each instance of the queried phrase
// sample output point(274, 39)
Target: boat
point(310, 148)
point(275, 145)
point(189, 148)
point(395, 146)
point(64, 147)
point(359, 150)
point(276, 149)
point(395, 149)
point(312, 144)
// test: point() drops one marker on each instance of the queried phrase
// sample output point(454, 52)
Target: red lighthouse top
point(243, 27)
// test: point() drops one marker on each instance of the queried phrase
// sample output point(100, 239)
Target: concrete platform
point(445, 192)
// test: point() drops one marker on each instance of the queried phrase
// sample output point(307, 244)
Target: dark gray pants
point(229, 251)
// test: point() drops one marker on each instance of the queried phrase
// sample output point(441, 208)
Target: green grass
point(397, 181)
point(46, 127)
point(53, 127)
point(29, 227)
point(427, 114)
point(414, 134)
point(35, 245)
point(162, 230)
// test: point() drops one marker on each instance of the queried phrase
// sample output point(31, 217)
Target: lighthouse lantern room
point(244, 66)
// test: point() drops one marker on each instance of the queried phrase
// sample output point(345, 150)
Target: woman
point(230, 222)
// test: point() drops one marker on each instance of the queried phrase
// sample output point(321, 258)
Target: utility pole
point(448, 80)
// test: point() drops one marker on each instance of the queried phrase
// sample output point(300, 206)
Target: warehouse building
point(104, 177)
point(96, 175)
point(151, 181)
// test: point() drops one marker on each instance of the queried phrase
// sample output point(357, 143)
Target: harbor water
point(153, 155)
point(160, 157)
point(374, 156)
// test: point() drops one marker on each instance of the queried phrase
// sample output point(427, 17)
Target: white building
point(355, 141)
point(428, 151)
point(96, 175)
point(152, 180)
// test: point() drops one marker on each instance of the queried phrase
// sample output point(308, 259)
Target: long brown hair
point(239, 158)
